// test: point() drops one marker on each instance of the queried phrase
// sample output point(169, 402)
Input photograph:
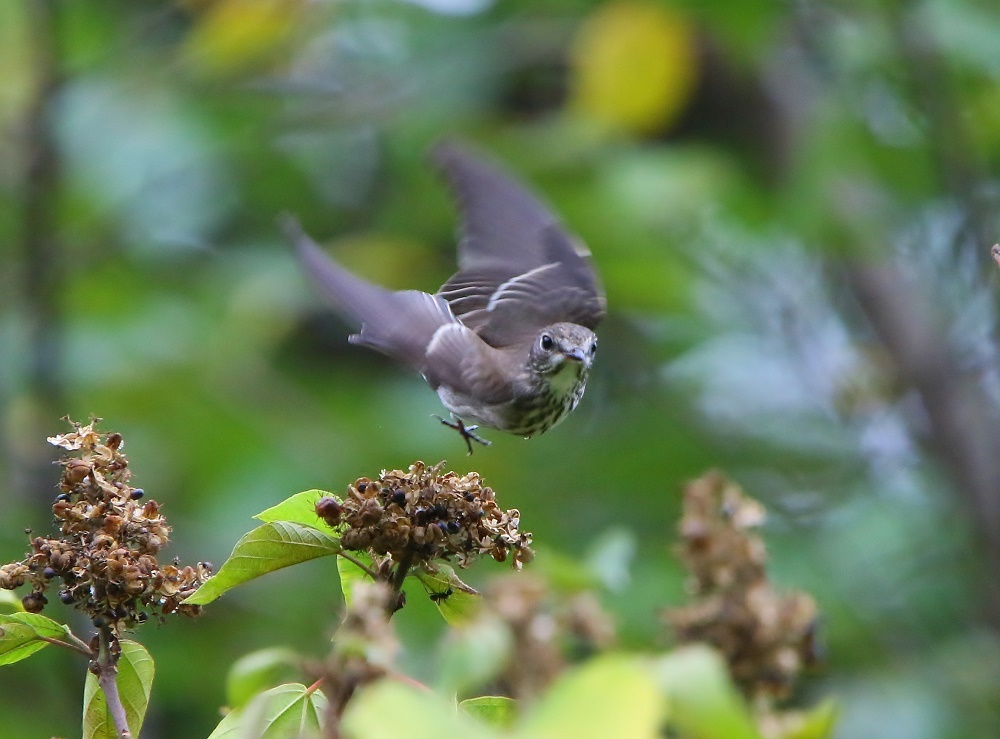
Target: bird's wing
point(460, 360)
point(400, 324)
point(518, 269)
point(413, 326)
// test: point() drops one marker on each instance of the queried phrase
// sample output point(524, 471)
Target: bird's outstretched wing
point(518, 269)
point(398, 323)
point(412, 326)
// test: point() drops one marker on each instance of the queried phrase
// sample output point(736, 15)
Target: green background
point(147, 149)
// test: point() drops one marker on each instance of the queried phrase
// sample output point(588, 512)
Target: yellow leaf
point(634, 66)
point(236, 35)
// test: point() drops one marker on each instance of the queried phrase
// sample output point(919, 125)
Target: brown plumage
point(508, 340)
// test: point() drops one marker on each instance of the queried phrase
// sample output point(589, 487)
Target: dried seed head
point(766, 637)
point(13, 575)
point(104, 551)
point(423, 515)
point(545, 629)
point(75, 472)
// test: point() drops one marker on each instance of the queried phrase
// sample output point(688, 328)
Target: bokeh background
point(791, 205)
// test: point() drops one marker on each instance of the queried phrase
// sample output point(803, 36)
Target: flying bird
point(508, 341)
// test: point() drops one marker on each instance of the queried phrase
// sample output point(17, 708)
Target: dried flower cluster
point(423, 515)
point(546, 629)
point(105, 552)
point(766, 637)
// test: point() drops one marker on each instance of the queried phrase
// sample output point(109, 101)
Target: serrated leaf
point(612, 695)
point(285, 712)
point(135, 682)
point(300, 508)
point(703, 701)
point(351, 574)
point(390, 709)
point(495, 710)
point(456, 602)
point(20, 635)
point(273, 546)
point(254, 673)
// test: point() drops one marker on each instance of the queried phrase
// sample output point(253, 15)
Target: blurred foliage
point(726, 185)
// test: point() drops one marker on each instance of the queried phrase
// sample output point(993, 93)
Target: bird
point(508, 341)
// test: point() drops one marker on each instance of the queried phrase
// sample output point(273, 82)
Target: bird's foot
point(468, 433)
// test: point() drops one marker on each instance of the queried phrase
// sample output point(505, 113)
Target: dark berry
point(34, 602)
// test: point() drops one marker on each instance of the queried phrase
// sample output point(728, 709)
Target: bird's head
point(563, 346)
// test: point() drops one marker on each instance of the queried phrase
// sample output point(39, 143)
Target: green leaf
point(495, 710)
point(564, 574)
point(351, 574)
point(473, 655)
point(285, 712)
point(390, 709)
point(9, 602)
point(610, 696)
point(254, 673)
point(817, 723)
point(610, 558)
point(456, 601)
point(300, 508)
point(20, 635)
point(703, 701)
point(267, 548)
point(135, 682)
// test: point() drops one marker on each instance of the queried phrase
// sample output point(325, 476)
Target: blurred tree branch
point(960, 416)
point(962, 420)
point(43, 270)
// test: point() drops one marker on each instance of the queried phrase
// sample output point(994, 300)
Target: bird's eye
point(593, 347)
point(546, 342)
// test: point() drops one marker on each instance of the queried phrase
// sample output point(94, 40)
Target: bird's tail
point(400, 324)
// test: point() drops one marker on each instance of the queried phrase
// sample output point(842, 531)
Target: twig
point(355, 561)
point(106, 669)
point(407, 680)
point(398, 577)
point(73, 644)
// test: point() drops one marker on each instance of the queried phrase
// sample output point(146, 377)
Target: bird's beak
point(577, 355)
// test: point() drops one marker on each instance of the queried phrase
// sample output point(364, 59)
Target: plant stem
point(106, 669)
point(398, 577)
point(355, 561)
point(74, 644)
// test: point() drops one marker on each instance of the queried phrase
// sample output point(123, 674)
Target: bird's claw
point(468, 433)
